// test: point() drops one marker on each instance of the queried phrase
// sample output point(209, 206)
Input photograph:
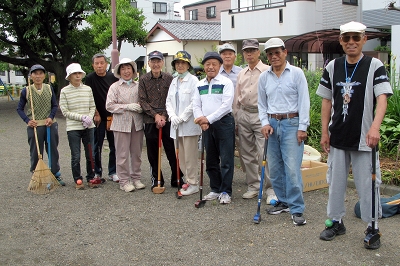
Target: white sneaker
point(224, 198)
point(114, 178)
point(250, 194)
point(271, 196)
point(211, 196)
point(138, 184)
point(190, 190)
point(128, 187)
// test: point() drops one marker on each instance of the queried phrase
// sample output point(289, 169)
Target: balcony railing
point(269, 4)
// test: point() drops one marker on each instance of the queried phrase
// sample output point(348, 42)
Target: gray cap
point(211, 55)
point(156, 54)
point(37, 67)
point(250, 43)
point(226, 46)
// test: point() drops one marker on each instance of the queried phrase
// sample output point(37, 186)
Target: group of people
point(259, 104)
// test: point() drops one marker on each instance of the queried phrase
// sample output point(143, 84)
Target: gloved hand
point(134, 107)
point(175, 121)
point(86, 121)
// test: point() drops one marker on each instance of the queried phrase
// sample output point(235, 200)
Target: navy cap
point(156, 54)
point(211, 55)
point(37, 67)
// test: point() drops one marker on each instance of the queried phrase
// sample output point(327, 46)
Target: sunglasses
point(356, 38)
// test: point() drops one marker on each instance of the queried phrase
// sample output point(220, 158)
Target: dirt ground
point(107, 226)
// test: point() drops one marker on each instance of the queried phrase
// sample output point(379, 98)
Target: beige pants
point(188, 158)
point(252, 148)
point(128, 153)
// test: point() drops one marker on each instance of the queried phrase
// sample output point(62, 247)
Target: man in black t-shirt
point(100, 81)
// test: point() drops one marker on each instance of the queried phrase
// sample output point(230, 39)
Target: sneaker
point(278, 208)
point(79, 187)
point(376, 244)
point(113, 177)
point(92, 185)
point(139, 185)
point(192, 189)
point(185, 186)
point(250, 194)
point(211, 196)
point(224, 198)
point(59, 179)
point(298, 219)
point(127, 187)
point(329, 233)
point(271, 196)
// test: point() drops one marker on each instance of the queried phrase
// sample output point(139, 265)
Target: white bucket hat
point(125, 61)
point(74, 68)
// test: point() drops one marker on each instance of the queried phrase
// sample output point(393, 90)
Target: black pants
point(151, 134)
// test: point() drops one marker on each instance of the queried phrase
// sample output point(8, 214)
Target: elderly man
point(153, 91)
point(100, 81)
point(245, 109)
point(212, 109)
point(228, 68)
point(353, 87)
point(284, 106)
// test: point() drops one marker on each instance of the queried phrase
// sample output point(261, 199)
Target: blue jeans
point(284, 160)
point(99, 135)
point(74, 138)
point(219, 141)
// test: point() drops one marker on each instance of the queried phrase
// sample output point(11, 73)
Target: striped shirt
point(75, 102)
point(153, 94)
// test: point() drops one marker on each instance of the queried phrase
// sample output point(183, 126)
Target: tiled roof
point(190, 29)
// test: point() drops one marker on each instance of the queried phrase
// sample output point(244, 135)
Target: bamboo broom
point(43, 180)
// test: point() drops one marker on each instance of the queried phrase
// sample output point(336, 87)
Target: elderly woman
point(183, 128)
point(127, 124)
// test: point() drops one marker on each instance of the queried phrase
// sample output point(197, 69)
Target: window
point(18, 73)
point(193, 14)
point(2, 73)
point(211, 12)
point(350, 2)
point(133, 3)
point(159, 7)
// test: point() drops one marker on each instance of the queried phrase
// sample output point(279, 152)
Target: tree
point(50, 33)
point(392, 7)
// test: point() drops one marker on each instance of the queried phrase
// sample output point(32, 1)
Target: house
point(263, 19)
point(206, 10)
point(195, 37)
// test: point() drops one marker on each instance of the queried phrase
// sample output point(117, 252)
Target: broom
point(43, 180)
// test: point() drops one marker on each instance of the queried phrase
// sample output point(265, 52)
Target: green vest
point(41, 102)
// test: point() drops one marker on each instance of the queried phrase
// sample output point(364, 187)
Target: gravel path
point(107, 226)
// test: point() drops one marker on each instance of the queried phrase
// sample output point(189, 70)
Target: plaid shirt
point(153, 94)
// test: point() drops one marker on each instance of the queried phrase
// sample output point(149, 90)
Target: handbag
point(109, 122)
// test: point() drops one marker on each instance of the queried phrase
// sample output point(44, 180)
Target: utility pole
point(114, 51)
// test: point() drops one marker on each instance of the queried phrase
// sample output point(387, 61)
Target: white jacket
point(186, 90)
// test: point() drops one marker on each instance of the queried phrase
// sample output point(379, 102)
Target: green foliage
point(383, 48)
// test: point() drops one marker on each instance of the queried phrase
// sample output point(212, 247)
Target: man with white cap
point(245, 110)
point(284, 106)
point(212, 109)
point(77, 105)
point(228, 68)
point(354, 89)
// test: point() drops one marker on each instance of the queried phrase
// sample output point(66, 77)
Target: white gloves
point(134, 107)
point(175, 121)
point(86, 121)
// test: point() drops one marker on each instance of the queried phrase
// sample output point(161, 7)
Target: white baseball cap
point(74, 68)
point(226, 46)
point(274, 43)
point(352, 27)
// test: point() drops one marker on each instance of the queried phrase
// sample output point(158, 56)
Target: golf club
point(159, 189)
point(200, 203)
point(374, 235)
point(257, 216)
point(178, 194)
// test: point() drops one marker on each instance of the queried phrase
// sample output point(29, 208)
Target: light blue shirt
point(231, 75)
point(213, 100)
point(286, 94)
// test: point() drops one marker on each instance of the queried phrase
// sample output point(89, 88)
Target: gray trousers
point(338, 169)
point(42, 140)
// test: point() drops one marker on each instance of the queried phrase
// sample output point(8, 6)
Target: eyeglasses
point(356, 38)
point(276, 53)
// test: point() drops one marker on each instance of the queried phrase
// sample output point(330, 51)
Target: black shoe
point(175, 184)
point(376, 244)
point(298, 219)
point(279, 207)
point(329, 233)
point(154, 183)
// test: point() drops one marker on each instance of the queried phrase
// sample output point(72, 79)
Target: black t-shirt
point(100, 86)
